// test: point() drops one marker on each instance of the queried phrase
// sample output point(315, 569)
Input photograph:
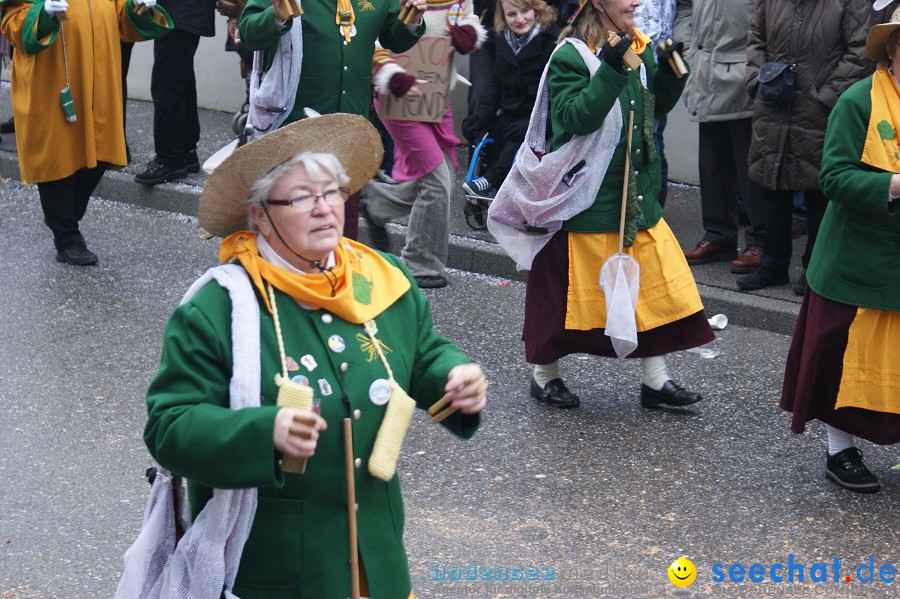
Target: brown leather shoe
point(706, 252)
point(748, 260)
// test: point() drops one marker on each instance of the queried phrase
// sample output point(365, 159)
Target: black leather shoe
point(193, 163)
point(799, 287)
point(762, 278)
point(671, 394)
point(378, 234)
point(555, 393)
point(157, 173)
point(847, 469)
point(430, 281)
point(77, 255)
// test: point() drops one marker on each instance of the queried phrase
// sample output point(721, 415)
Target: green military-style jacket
point(336, 76)
point(855, 257)
point(298, 544)
point(578, 105)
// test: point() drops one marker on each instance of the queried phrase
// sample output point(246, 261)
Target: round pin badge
point(380, 392)
point(336, 343)
point(300, 380)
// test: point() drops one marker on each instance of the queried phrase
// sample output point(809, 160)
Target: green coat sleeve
point(395, 36)
point(844, 179)
point(153, 23)
point(578, 101)
point(667, 87)
point(191, 430)
point(257, 25)
point(435, 358)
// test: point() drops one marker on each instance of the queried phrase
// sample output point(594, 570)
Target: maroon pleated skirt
point(813, 373)
point(545, 334)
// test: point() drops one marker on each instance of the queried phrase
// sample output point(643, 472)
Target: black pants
point(724, 146)
point(176, 125)
point(64, 203)
point(509, 133)
point(779, 209)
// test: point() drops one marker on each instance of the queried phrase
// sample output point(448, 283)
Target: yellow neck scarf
point(638, 44)
point(365, 284)
point(882, 148)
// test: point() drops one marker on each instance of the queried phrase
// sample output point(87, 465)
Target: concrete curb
point(466, 254)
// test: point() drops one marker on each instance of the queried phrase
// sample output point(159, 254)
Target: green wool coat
point(578, 105)
point(335, 76)
point(298, 544)
point(854, 259)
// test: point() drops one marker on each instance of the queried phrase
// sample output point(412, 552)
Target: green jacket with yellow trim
point(578, 105)
point(335, 76)
point(298, 542)
point(854, 260)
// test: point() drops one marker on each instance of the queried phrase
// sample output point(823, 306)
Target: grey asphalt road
point(594, 502)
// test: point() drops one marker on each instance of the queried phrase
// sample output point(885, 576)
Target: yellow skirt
point(667, 289)
point(871, 375)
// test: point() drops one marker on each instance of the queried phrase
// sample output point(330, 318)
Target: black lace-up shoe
point(555, 393)
point(430, 281)
point(77, 255)
point(193, 162)
point(762, 278)
point(671, 394)
point(157, 173)
point(847, 469)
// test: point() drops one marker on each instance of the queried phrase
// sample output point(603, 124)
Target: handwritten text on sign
point(430, 60)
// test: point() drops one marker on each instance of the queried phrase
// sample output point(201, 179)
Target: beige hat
point(351, 138)
point(878, 35)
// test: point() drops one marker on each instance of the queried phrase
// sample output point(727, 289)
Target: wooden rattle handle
point(630, 58)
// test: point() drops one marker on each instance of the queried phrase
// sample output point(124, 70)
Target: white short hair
point(320, 167)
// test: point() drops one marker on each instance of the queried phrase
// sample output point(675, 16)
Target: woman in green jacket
point(337, 319)
point(842, 366)
point(564, 306)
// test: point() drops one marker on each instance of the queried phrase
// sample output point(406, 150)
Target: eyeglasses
point(304, 204)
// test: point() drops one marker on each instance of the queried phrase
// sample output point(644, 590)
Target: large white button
point(632, 102)
point(345, 68)
point(357, 462)
point(327, 318)
point(357, 414)
point(635, 127)
point(638, 151)
point(344, 366)
point(636, 173)
point(640, 198)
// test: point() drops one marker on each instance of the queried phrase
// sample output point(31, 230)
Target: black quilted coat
point(827, 41)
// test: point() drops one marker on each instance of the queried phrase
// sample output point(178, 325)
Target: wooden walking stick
point(351, 498)
point(625, 184)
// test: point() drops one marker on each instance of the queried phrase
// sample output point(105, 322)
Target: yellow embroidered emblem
point(365, 5)
point(367, 347)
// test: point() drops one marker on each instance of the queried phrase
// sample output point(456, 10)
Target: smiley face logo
point(682, 572)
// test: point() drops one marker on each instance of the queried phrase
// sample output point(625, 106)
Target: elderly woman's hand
point(297, 432)
point(466, 388)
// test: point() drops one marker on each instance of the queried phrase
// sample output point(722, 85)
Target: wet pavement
point(591, 502)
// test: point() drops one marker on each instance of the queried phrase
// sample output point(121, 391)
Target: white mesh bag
point(273, 91)
point(204, 564)
point(543, 190)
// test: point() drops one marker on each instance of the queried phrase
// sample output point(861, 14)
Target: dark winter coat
point(514, 82)
point(827, 41)
point(194, 16)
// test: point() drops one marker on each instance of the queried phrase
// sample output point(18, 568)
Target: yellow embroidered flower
point(367, 347)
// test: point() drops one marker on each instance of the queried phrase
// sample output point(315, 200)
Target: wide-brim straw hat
point(351, 138)
point(878, 35)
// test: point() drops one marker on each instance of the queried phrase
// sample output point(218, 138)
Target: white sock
point(654, 373)
point(838, 440)
point(543, 373)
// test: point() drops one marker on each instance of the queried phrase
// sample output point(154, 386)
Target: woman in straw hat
point(335, 317)
point(842, 366)
point(564, 306)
